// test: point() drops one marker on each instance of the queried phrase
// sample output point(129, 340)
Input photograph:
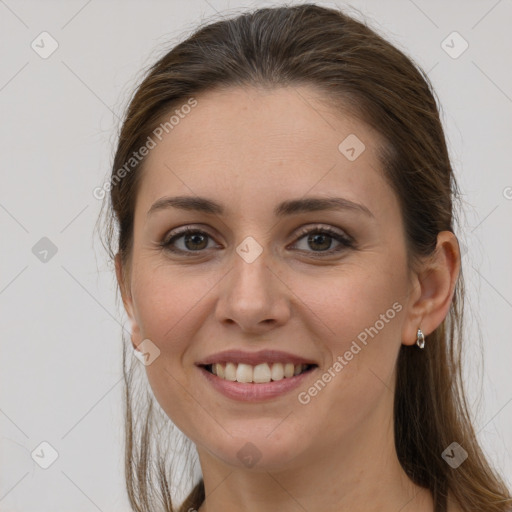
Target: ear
point(432, 289)
point(124, 288)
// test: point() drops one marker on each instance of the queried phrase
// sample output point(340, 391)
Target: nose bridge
point(251, 293)
point(251, 278)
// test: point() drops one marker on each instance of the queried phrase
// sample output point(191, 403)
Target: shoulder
point(453, 506)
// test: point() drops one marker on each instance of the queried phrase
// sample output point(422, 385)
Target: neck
point(360, 473)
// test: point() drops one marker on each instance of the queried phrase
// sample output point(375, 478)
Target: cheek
point(354, 298)
point(162, 300)
point(361, 311)
point(165, 304)
point(361, 315)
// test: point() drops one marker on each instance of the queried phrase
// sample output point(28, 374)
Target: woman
point(285, 252)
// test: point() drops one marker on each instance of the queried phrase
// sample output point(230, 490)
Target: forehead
point(247, 146)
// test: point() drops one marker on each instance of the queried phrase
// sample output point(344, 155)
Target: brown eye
point(320, 240)
point(187, 240)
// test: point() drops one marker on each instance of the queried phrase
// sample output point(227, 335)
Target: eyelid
point(183, 230)
point(312, 228)
point(339, 235)
point(344, 240)
point(180, 231)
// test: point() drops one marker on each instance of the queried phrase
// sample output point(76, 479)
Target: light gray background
point(60, 325)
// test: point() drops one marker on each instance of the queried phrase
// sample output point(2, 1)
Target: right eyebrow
point(200, 204)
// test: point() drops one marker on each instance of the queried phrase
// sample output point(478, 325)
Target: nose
point(253, 297)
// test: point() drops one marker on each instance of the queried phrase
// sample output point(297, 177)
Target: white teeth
point(261, 373)
point(277, 372)
point(230, 371)
point(219, 370)
point(244, 373)
point(289, 370)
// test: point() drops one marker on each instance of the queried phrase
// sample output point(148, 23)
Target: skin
point(249, 149)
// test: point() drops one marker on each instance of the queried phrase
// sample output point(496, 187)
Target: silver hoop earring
point(420, 339)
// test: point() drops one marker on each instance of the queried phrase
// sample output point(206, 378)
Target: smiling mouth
point(258, 374)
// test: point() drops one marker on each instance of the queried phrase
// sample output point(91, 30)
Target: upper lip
point(254, 358)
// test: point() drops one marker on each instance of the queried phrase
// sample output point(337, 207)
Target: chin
point(256, 451)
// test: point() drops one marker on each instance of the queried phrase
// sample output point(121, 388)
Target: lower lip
point(251, 392)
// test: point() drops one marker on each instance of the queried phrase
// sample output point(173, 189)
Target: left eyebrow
point(286, 208)
point(313, 204)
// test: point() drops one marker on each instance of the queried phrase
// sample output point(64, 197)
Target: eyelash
point(345, 241)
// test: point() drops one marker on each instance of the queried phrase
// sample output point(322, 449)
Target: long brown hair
point(355, 69)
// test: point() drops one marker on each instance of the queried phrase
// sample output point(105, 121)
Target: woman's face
point(255, 275)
